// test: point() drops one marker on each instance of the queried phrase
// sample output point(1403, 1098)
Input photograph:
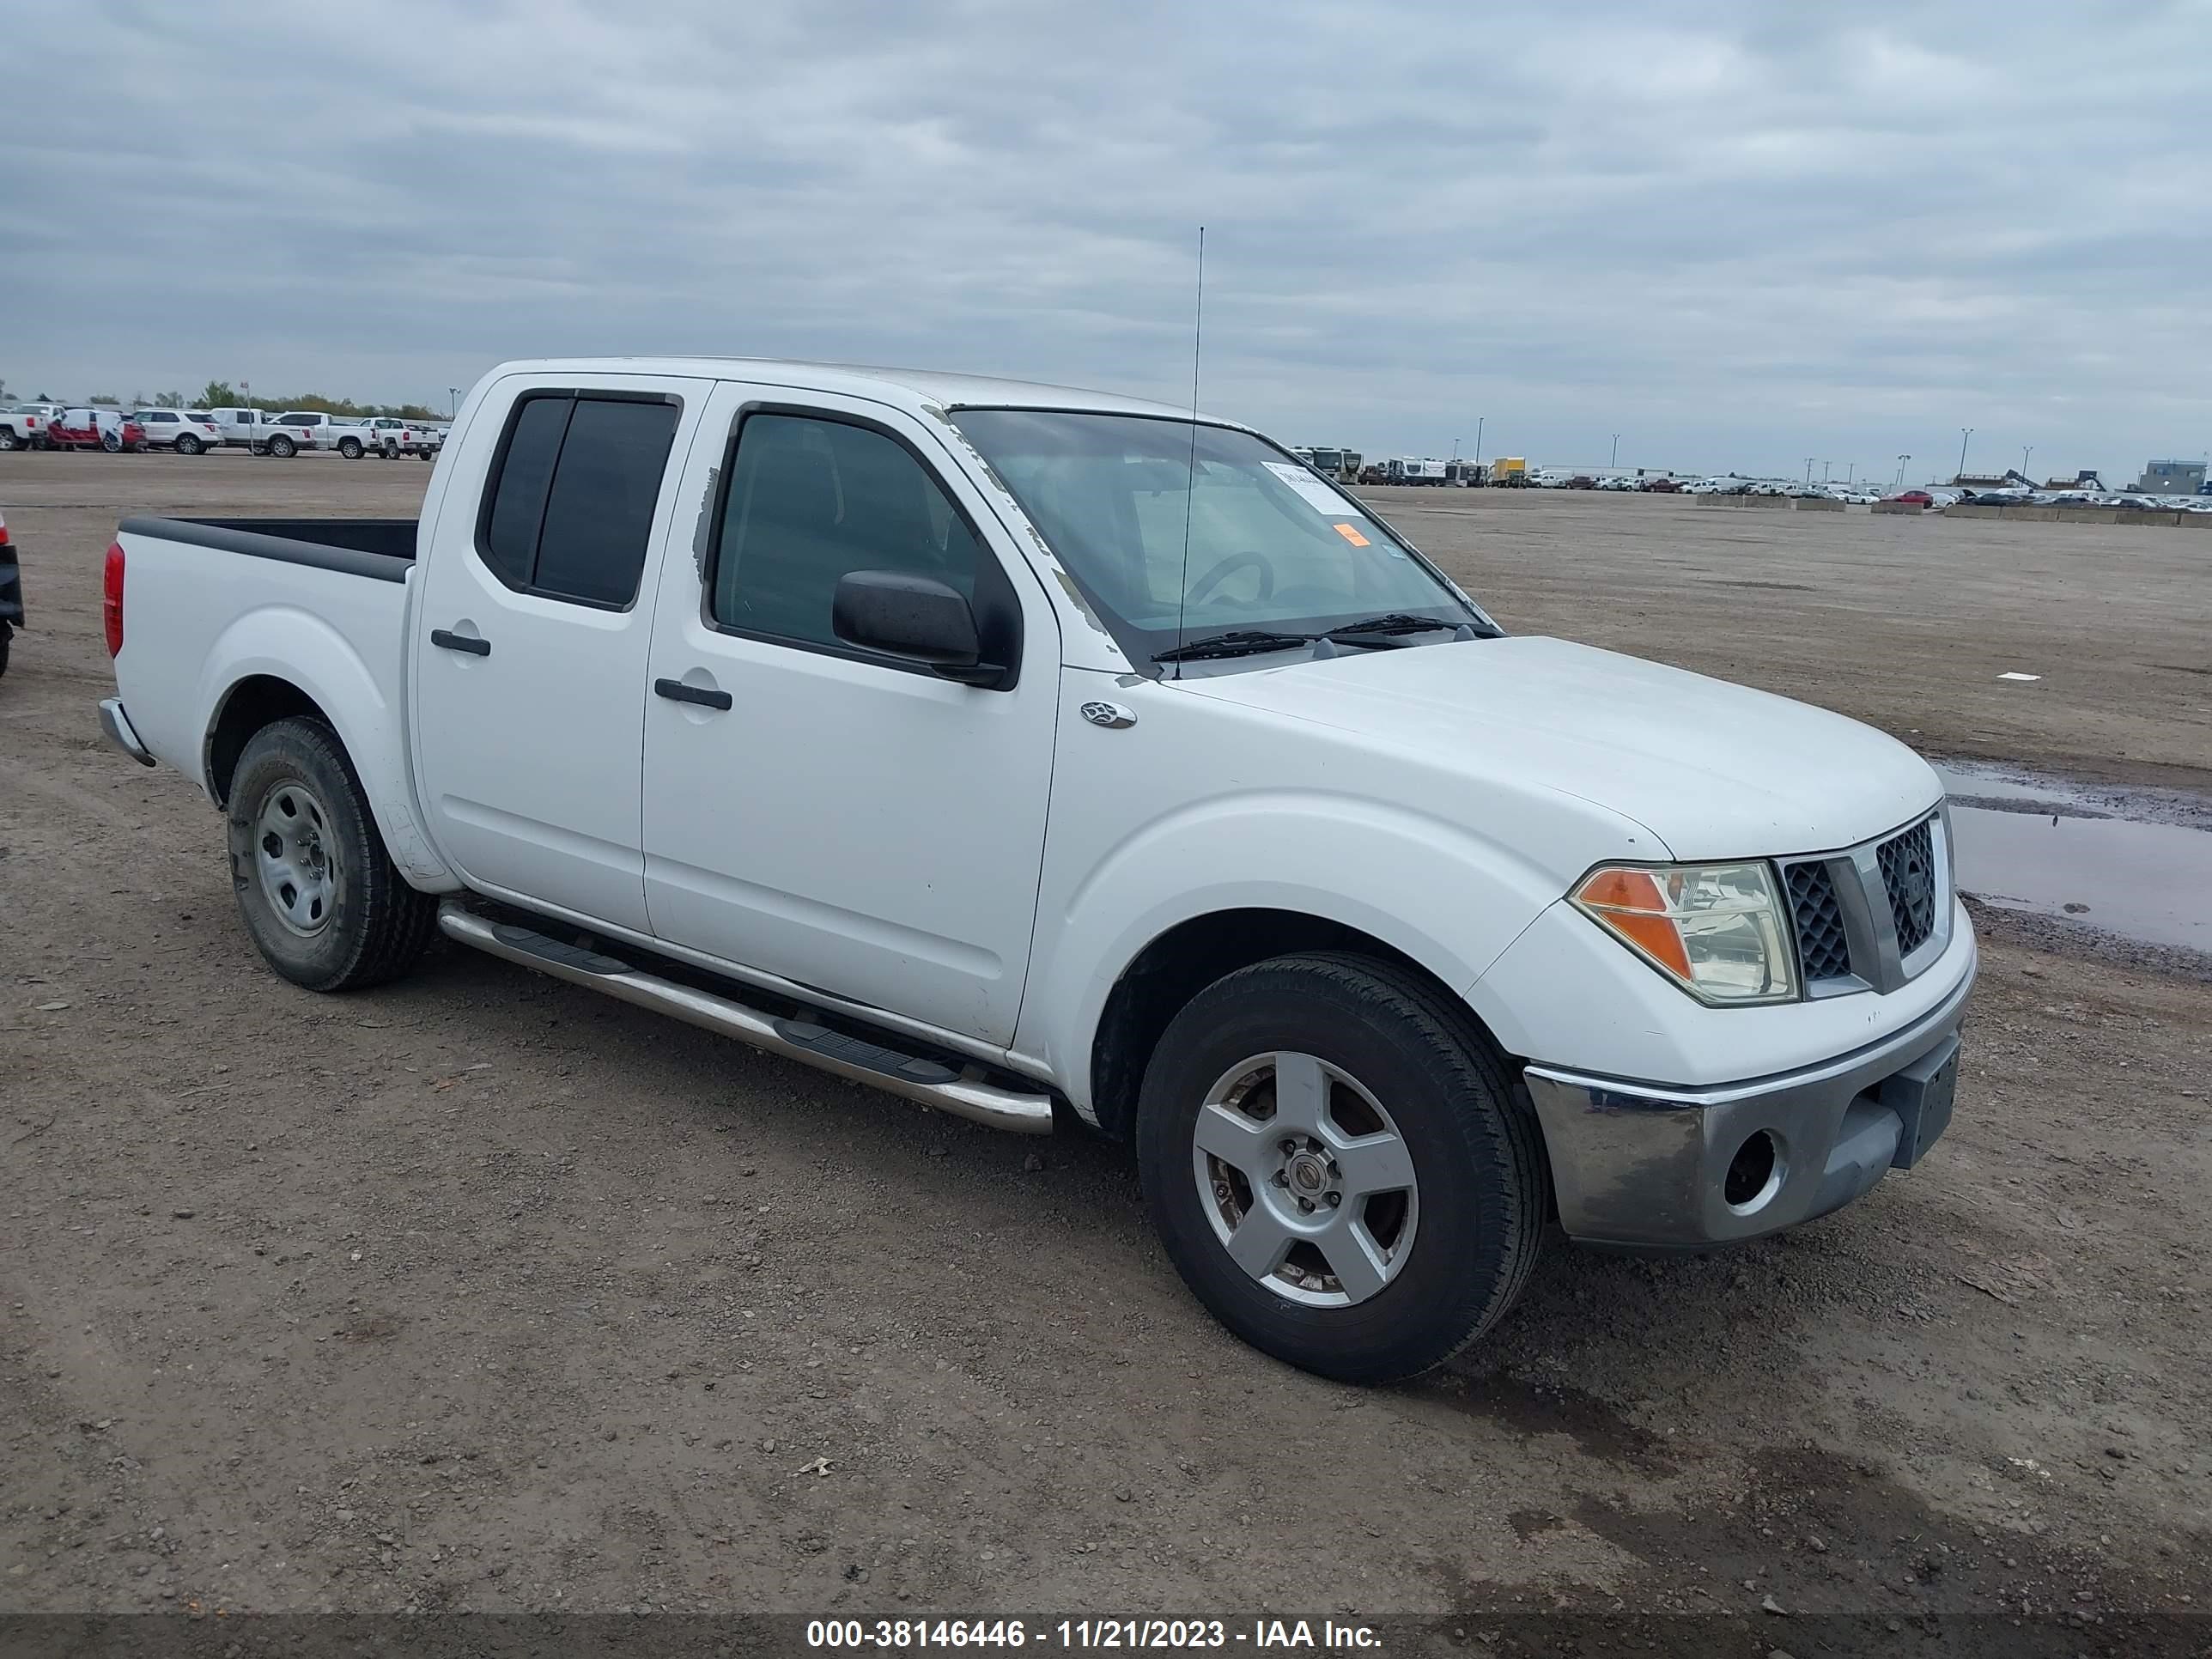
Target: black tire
point(1477, 1154)
point(7, 638)
point(281, 447)
point(350, 449)
point(428, 454)
point(377, 925)
point(111, 442)
point(9, 440)
point(188, 445)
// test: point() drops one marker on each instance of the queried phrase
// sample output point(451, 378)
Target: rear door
point(530, 639)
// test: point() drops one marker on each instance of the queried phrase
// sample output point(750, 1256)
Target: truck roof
point(914, 389)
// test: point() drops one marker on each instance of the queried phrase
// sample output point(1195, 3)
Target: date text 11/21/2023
point(932, 1635)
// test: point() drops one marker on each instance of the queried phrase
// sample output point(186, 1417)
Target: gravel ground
point(481, 1293)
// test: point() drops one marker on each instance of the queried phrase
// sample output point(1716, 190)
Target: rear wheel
point(7, 634)
point(315, 886)
point(350, 449)
point(9, 440)
point(188, 445)
point(1341, 1166)
point(281, 447)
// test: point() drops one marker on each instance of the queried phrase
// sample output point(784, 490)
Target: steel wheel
point(296, 855)
point(1305, 1178)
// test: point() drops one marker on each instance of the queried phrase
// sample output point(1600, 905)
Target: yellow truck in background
point(1508, 472)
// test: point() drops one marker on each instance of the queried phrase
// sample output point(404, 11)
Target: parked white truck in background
point(242, 428)
point(1048, 755)
point(23, 426)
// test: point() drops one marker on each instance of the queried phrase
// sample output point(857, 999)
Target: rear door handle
point(705, 696)
point(445, 640)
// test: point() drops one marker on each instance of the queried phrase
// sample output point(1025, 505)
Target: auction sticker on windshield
point(1311, 490)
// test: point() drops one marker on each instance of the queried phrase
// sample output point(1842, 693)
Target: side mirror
point(915, 618)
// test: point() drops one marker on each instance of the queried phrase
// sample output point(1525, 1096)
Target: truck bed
point(378, 548)
point(211, 604)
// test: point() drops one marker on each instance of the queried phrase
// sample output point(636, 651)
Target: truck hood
point(1714, 770)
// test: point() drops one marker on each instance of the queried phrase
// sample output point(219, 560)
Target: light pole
point(1901, 460)
point(1454, 455)
point(1615, 461)
point(1825, 468)
point(1808, 469)
point(1478, 440)
point(1964, 432)
point(2027, 450)
point(452, 401)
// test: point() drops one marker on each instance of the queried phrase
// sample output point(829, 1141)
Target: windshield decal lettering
point(1311, 489)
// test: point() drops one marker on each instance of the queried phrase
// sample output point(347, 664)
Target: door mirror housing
point(918, 619)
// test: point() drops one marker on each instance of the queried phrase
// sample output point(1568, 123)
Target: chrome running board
point(928, 1081)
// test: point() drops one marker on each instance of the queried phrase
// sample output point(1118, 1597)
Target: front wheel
point(9, 440)
point(111, 442)
point(315, 886)
point(1341, 1165)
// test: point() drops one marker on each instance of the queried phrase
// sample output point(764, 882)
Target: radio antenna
point(1190, 491)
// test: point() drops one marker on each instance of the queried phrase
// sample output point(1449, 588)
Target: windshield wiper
point(1394, 621)
point(1237, 643)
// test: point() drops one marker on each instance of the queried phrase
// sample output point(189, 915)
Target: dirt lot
point(483, 1292)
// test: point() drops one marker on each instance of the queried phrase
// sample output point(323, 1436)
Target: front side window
point(570, 508)
point(812, 498)
point(1175, 531)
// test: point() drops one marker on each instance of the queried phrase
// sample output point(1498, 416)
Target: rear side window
point(573, 495)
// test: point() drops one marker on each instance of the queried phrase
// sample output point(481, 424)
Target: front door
point(817, 811)
point(532, 629)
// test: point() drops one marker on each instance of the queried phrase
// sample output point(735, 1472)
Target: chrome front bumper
point(1646, 1168)
point(117, 725)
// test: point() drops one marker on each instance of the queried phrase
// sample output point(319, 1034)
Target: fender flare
point(1439, 894)
point(294, 646)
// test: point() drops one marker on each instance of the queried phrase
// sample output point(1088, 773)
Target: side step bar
point(917, 1079)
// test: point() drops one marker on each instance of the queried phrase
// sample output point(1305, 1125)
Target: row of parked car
point(198, 431)
point(2130, 502)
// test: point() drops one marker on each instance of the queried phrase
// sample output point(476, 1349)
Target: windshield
point(1270, 545)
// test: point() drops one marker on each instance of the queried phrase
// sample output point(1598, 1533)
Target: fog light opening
point(1753, 1173)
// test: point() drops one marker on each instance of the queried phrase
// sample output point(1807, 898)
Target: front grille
point(1908, 877)
point(1822, 947)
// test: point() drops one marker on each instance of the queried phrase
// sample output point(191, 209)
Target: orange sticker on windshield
point(1351, 535)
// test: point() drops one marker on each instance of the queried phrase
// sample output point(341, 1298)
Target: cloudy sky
point(1736, 235)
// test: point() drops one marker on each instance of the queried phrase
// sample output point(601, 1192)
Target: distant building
point(2171, 479)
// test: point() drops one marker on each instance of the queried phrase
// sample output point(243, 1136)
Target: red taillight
point(4, 532)
point(111, 598)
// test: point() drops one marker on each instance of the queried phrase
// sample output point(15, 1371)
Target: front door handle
point(705, 696)
point(445, 640)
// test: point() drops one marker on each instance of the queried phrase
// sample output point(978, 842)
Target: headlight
point(1716, 930)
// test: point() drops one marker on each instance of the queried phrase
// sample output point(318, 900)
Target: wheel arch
point(1178, 963)
point(258, 694)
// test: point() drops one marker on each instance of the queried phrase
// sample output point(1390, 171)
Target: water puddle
point(2139, 863)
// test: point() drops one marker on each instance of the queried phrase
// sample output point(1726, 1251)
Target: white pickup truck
point(1047, 756)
